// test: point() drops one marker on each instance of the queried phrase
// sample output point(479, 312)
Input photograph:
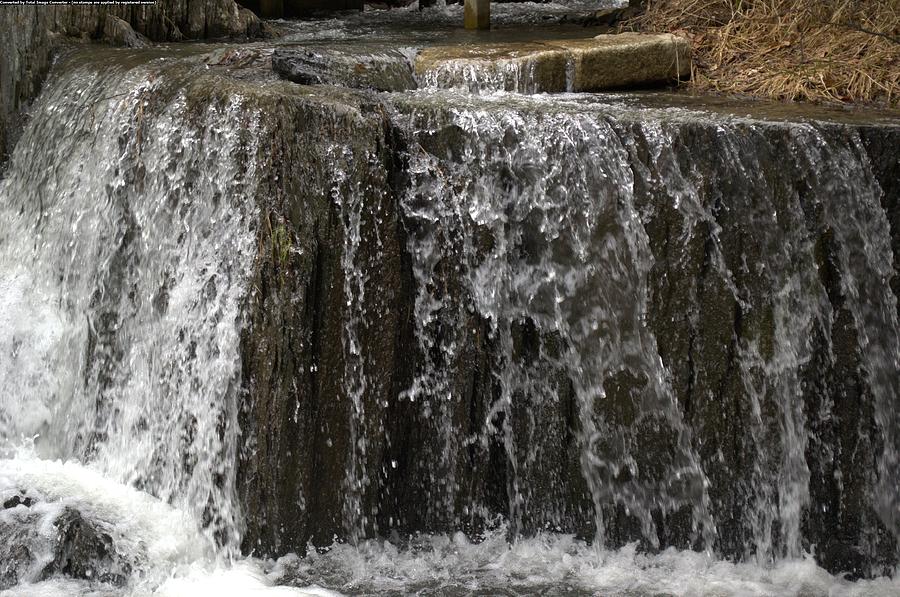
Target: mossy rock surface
point(378, 69)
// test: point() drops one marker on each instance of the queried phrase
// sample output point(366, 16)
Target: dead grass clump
point(815, 50)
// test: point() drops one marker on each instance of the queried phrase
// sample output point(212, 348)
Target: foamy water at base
point(244, 579)
point(171, 557)
point(559, 564)
point(174, 559)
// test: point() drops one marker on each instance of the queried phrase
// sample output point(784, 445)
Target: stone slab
point(627, 60)
point(381, 70)
point(604, 62)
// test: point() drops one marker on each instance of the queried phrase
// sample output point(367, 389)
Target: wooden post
point(478, 14)
point(271, 9)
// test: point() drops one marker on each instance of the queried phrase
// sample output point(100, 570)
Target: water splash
point(126, 245)
point(510, 75)
point(537, 212)
point(556, 563)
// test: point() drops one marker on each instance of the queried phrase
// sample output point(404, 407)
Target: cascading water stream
point(859, 223)
point(126, 245)
point(130, 222)
point(629, 350)
point(538, 213)
point(350, 203)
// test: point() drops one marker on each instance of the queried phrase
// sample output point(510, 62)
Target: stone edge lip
point(380, 70)
point(610, 61)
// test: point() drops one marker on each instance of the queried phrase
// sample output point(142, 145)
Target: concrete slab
point(623, 60)
point(626, 60)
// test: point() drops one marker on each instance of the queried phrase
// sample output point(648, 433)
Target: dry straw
point(815, 50)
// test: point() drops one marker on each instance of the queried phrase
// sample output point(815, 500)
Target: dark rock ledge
point(29, 35)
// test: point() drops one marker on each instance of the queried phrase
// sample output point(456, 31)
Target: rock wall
point(29, 34)
point(25, 51)
point(298, 403)
point(166, 20)
point(365, 415)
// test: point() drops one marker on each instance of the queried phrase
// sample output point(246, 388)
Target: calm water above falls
point(265, 339)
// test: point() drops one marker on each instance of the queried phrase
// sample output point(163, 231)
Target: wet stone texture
point(30, 34)
point(327, 207)
point(381, 399)
point(381, 70)
point(42, 539)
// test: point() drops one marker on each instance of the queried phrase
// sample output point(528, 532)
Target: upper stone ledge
point(604, 62)
point(381, 69)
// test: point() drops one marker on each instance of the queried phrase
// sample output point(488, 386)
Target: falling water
point(126, 241)
point(544, 215)
point(866, 261)
point(658, 345)
point(516, 76)
point(350, 201)
point(538, 212)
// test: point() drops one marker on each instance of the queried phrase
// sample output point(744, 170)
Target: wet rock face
point(25, 47)
point(27, 40)
point(84, 551)
point(41, 540)
point(387, 390)
point(168, 20)
point(385, 70)
point(117, 32)
point(327, 195)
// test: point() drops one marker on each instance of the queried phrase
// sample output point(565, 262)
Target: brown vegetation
point(816, 50)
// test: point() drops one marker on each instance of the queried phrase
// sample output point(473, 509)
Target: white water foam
point(560, 564)
point(179, 557)
point(177, 560)
point(142, 522)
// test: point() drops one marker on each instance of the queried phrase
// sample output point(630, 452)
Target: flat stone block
point(604, 62)
point(627, 60)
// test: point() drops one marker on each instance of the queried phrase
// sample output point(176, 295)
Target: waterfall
point(516, 76)
point(440, 340)
point(866, 263)
point(537, 214)
point(126, 242)
point(536, 222)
